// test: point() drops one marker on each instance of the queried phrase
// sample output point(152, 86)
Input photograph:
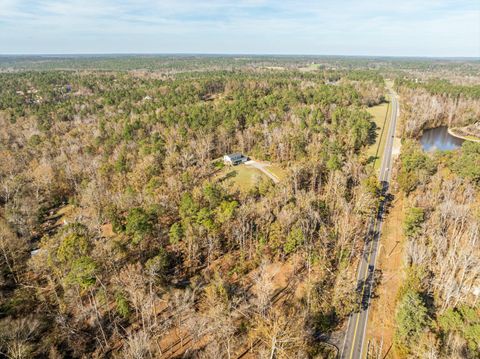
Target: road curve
point(357, 323)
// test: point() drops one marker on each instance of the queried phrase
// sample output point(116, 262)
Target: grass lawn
point(241, 177)
point(244, 177)
point(379, 112)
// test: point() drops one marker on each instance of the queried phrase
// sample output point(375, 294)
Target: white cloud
point(409, 27)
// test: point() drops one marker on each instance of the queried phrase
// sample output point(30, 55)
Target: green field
point(379, 112)
point(244, 177)
point(241, 177)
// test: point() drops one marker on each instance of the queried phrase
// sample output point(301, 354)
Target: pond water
point(439, 139)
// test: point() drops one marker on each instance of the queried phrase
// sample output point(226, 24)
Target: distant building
point(234, 159)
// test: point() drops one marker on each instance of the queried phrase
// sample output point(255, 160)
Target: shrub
point(294, 239)
point(415, 167)
point(82, 273)
point(225, 211)
point(411, 320)
point(176, 233)
point(465, 321)
point(157, 265)
point(468, 165)
point(72, 245)
point(139, 224)
point(413, 221)
point(121, 305)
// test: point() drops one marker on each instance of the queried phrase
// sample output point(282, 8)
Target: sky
point(434, 28)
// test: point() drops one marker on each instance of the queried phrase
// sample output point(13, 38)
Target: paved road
point(353, 344)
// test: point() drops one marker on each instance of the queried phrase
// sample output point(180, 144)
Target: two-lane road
point(357, 323)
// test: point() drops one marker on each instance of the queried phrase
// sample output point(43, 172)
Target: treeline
point(436, 103)
point(118, 230)
point(441, 87)
point(180, 63)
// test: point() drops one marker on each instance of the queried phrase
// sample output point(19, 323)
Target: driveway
point(262, 167)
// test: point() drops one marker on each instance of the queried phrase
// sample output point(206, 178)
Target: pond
point(439, 139)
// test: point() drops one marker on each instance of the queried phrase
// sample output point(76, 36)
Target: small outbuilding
point(234, 159)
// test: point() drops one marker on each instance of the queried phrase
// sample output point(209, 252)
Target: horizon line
point(226, 54)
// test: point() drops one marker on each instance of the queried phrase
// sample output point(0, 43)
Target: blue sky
point(341, 27)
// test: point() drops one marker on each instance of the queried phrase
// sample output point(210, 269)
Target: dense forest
point(120, 233)
point(124, 235)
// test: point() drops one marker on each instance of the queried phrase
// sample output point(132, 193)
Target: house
point(234, 159)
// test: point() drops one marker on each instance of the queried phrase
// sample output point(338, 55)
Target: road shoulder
point(381, 325)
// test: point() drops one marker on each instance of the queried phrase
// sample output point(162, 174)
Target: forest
point(121, 235)
point(438, 313)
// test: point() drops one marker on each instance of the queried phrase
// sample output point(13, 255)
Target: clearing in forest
point(246, 176)
point(381, 116)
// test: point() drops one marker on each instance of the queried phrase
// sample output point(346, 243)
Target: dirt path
point(262, 167)
point(381, 326)
point(472, 138)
